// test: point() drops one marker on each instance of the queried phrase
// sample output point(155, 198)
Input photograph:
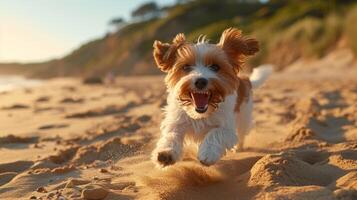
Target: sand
point(67, 140)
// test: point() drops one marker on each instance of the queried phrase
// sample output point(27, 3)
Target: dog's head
point(201, 74)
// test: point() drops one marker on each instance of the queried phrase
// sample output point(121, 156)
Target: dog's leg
point(215, 144)
point(169, 147)
point(244, 121)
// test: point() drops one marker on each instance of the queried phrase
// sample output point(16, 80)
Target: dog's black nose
point(201, 83)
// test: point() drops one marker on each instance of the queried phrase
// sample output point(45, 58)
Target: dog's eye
point(186, 68)
point(214, 67)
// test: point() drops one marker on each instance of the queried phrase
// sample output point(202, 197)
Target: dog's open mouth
point(200, 100)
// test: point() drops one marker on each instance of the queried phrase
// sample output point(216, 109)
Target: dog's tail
point(260, 75)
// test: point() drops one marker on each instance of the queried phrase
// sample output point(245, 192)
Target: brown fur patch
point(218, 92)
point(184, 95)
point(243, 92)
point(237, 47)
point(185, 56)
point(165, 53)
point(226, 71)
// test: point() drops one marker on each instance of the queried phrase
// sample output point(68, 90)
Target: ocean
point(8, 83)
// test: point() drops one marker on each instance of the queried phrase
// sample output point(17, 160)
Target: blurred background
point(43, 39)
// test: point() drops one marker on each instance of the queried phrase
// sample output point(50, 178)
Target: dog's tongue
point(200, 100)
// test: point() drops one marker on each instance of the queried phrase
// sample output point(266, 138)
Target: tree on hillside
point(182, 1)
point(117, 23)
point(146, 11)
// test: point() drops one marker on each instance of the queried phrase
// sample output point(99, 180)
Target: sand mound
point(63, 155)
point(301, 135)
point(94, 192)
point(298, 193)
point(113, 149)
point(286, 170)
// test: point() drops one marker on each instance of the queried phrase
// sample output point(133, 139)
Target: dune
point(69, 140)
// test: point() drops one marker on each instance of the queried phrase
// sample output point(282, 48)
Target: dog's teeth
point(201, 92)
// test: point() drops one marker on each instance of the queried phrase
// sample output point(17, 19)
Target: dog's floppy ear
point(165, 53)
point(236, 46)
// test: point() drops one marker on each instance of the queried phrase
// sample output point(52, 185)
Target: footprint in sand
point(99, 112)
point(43, 99)
point(72, 100)
point(9, 139)
point(69, 88)
point(52, 126)
point(16, 107)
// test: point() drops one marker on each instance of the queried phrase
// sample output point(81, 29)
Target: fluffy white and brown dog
point(208, 102)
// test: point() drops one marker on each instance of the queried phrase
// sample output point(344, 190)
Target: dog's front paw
point(165, 158)
point(209, 155)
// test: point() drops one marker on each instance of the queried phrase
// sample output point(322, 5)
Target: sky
point(39, 30)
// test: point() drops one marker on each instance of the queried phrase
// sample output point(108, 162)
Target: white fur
point(202, 71)
point(260, 75)
point(244, 120)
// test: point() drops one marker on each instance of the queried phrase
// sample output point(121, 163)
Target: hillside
point(287, 30)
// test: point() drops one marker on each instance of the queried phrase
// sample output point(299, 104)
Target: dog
point(208, 102)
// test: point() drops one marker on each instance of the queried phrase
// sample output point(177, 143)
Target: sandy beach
point(67, 140)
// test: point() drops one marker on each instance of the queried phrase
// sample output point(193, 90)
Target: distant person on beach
point(109, 78)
